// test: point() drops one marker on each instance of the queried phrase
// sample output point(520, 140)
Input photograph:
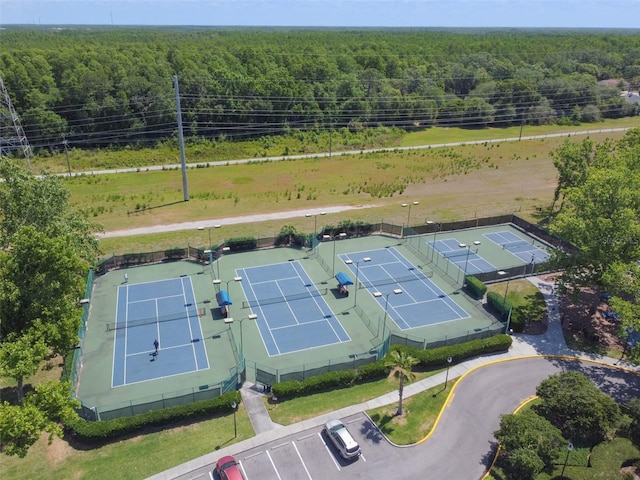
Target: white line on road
point(326, 447)
point(243, 471)
point(274, 466)
point(301, 460)
point(279, 446)
point(253, 455)
point(306, 436)
point(355, 420)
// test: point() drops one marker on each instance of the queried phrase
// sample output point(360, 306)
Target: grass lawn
point(309, 406)
point(420, 414)
point(131, 459)
point(525, 296)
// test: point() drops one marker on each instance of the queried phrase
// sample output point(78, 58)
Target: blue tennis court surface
point(465, 257)
point(421, 302)
point(521, 248)
point(165, 311)
point(292, 313)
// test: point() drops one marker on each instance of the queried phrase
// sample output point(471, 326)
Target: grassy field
point(449, 183)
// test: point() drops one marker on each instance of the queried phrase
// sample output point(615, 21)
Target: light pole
point(341, 235)
point(397, 291)
point(436, 228)
point(217, 281)
point(251, 316)
point(466, 262)
point(566, 459)
point(504, 301)
point(209, 232)
point(222, 252)
point(409, 213)
point(315, 226)
point(357, 262)
point(446, 378)
point(234, 405)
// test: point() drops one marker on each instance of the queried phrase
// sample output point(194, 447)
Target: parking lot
point(311, 455)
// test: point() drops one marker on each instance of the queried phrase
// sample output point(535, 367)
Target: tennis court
point(421, 303)
point(465, 257)
point(292, 312)
point(162, 310)
point(523, 249)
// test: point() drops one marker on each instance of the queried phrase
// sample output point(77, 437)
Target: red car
point(228, 469)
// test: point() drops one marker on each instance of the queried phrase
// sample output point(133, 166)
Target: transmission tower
point(12, 136)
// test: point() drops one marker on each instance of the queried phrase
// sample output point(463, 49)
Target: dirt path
point(231, 220)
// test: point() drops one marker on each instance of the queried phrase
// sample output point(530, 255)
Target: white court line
point(156, 298)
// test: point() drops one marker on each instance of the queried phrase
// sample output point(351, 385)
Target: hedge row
point(503, 307)
point(434, 358)
point(475, 287)
point(498, 303)
point(241, 243)
point(107, 430)
point(437, 357)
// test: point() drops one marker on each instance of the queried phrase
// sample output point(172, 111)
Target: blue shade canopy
point(223, 298)
point(343, 279)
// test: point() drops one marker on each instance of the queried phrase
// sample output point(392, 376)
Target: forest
point(91, 88)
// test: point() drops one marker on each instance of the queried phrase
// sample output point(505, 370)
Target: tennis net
point(284, 298)
point(151, 320)
point(455, 253)
point(396, 280)
point(517, 245)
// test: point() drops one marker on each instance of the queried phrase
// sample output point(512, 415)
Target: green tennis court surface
point(287, 317)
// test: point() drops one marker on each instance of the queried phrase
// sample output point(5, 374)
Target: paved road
point(461, 446)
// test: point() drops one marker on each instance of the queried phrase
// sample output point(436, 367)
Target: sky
point(327, 13)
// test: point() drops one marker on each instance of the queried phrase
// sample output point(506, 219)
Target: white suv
point(342, 439)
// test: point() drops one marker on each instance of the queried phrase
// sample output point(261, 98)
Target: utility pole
point(185, 186)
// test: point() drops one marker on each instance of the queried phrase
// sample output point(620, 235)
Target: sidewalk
point(551, 343)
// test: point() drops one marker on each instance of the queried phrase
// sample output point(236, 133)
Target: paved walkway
point(551, 343)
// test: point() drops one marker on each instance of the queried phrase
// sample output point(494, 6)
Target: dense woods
point(98, 87)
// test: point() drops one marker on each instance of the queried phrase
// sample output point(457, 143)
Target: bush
point(437, 357)
point(107, 430)
point(242, 243)
point(499, 304)
point(175, 253)
point(475, 287)
point(434, 358)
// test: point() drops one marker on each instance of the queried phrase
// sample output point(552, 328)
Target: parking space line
point(326, 447)
point(211, 475)
point(279, 446)
point(301, 460)
point(355, 420)
point(254, 455)
point(274, 466)
point(362, 456)
point(244, 472)
point(305, 437)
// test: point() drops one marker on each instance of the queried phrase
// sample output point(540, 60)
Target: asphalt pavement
point(461, 443)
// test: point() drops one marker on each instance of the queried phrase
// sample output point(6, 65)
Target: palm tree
point(401, 364)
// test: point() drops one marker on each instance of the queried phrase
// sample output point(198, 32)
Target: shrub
point(242, 243)
point(433, 358)
point(475, 287)
point(106, 430)
point(499, 304)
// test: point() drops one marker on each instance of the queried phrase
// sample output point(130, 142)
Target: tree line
point(91, 88)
